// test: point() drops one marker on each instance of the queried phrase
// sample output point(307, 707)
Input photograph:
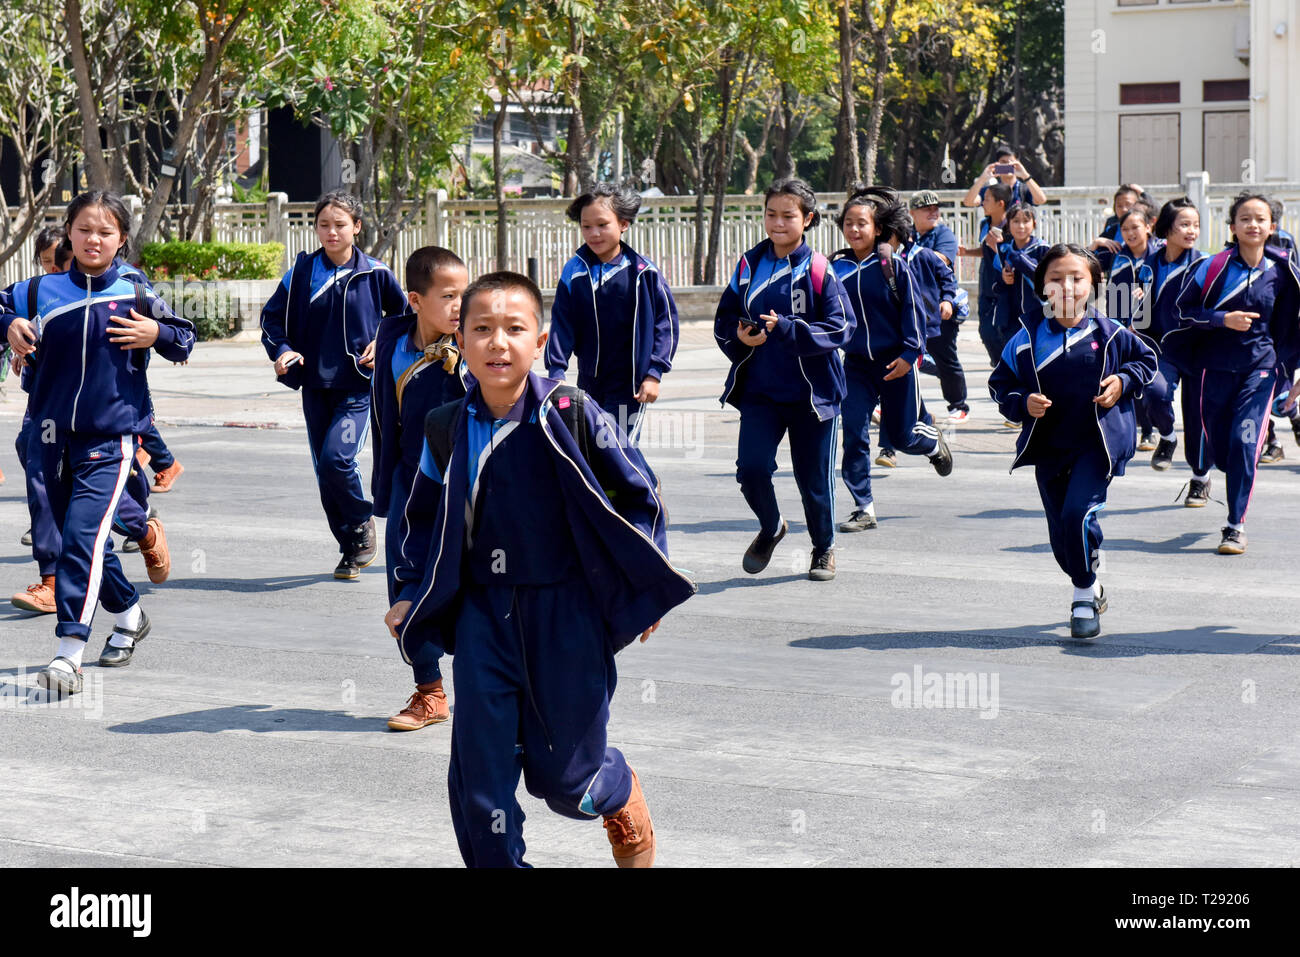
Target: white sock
point(72, 649)
point(1239, 526)
point(130, 620)
point(1167, 438)
point(1199, 476)
point(1084, 594)
point(870, 509)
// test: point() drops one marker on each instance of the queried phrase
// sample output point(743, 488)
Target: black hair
point(1137, 209)
point(343, 200)
point(1015, 209)
point(624, 201)
point(1001, 150)
point(55, 236)
point(1169, 213)
point(1060, 251)
point(1136, 190)
point(1147, 202)
point(799, 190)
point(1000, 192)
point(888, 212)
point(503, 281)
point(97, 197)
point(1245, 196)
point(1278, 208)
point(424, 263)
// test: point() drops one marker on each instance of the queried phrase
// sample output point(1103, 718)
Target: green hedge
point(185, 260)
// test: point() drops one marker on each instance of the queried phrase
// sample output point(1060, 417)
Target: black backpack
point(440, 424)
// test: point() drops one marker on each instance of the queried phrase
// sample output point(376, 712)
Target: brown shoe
point(141, 457)
point(38, 597)
point(163, 479)
point(157, 560)
point(630, 831)
point(422, 709)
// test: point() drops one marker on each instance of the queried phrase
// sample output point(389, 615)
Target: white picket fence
point(665, 228)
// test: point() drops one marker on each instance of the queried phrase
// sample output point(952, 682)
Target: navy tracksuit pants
point(941, 353)
point(425, 661)
point(1072, 495)
point(534, 677)
point(86, 476)
point(903, 425)
point(337, 424)
point(47, 539)
point(1158, 399)
point(812, 456)
point(990, 334)
point(619, 403)
point(160, 457)
point(1234, 409)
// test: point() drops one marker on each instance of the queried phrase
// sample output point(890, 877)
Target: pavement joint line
point(795, 759)
point(91, 850)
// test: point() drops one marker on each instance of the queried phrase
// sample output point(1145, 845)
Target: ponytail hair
point(888, 212)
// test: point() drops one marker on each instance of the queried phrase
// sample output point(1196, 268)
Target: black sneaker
point(1234, 541)
point(859, 521)
point(1198, 493)
point(942, 457)
point(60, 680)
point(760, 549)
point(823, 565)
point(113, 657)
point(27, 535)
point(1164, 456)
point(1295, 430)
point(1147, 442)
point(1272, 454)
point(364, 551)
point(886, 459)
point(346, 569)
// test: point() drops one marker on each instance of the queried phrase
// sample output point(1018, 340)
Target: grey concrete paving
point(771, 718)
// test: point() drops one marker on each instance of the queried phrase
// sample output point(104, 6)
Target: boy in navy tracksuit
point(780, 321)
point(612, 309)
point(1178, 227)
point(942, 327)
point(1071, 381)
point(1237, 324)
point(880, 359)
point(319, 329)
point(417, 368)
point(1018, 303)
point(533, 578)
point(89, 394)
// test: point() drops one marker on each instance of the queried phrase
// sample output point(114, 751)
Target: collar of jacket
point(592, 260)
point(536, 391)
point(357, 263)
point(797, 255)
point(93, 283)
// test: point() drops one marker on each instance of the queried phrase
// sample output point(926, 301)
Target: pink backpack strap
point(819, 265)
point(1213, 271)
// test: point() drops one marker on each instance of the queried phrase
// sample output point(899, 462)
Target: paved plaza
point(925, 708)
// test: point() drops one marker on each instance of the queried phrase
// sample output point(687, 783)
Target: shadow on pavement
point(252, 717)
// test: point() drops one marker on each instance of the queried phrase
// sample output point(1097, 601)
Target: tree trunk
point(498, 181)
point(97, 176)
point(785, 166)
point(881, 36)
point(577, 170)
point(846, 167)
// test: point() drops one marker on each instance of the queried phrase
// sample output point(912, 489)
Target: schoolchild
point(1179, 227)
point(89, 392)
point(879, 361)
point(997, 199)
point(613, 310)
point(319, 329)
point(1020, 251)
point(418, 368)
point(941, 339)
point(1237, 324)
point(546, 555)
point(1071, 378)
point(781, 321)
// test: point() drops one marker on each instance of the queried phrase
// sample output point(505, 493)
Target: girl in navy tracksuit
point(319, 329)
point(781, 320)
point(1071, 380)
point(1128, 276)
point(613, 310)
point(90, 395)
point(1020, 253)
point(1178, 226)
point(879, 361)
point(1237, 324)
point(418, 367)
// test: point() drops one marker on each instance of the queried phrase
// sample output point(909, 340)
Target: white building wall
point(1107, 45)
point(1275, 90)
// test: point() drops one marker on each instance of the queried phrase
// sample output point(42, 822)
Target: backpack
point(1213, 271)
point(885, 253)
point(440, 424)
point(34, 284)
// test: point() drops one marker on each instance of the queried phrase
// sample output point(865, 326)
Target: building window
point(1137, 3)
point(1140, 94)
point(1216, 91)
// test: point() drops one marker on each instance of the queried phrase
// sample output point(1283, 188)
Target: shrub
point(186, 260)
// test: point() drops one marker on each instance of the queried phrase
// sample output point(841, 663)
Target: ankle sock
point(1239, 526)
point(1084, 594)
point(1200, 476)
point(72, 649)
point(1167, 438)
point(130, 620)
